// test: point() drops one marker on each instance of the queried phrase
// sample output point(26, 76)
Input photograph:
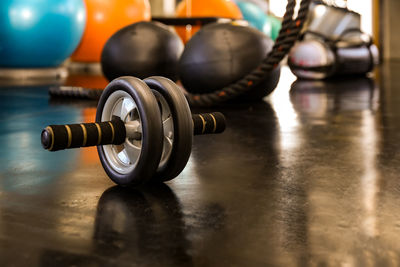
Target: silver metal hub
point(133, 130)
point(123, 158)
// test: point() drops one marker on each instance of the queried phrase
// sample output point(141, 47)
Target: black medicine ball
point(222, 53)
point(142, 49)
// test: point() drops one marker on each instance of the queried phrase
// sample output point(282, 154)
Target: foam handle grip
point(58, 137)
point(208, 123)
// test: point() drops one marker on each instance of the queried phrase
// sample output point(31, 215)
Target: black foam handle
point(208, 123)
point(58, 137)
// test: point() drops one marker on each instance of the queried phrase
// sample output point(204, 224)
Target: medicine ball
point(221, 54)
point(142, 49)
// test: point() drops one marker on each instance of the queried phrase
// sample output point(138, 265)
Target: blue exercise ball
point(39, 33)
point(272, 26)
point(262, 4)
point(253, 14)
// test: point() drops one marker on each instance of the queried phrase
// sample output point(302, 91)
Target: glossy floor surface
point(309, 177)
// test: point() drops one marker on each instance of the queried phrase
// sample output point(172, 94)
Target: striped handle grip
point(58, 137)
point(208, 123)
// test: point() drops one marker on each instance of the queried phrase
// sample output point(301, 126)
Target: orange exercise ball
point(104, 18)
point(204, 8)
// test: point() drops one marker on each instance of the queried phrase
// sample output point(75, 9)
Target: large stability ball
point(262, 4)
point(259, 20)
point(221, 54)
point(253, 14)
point(272, 26)
point(39, 33)
point(204, 8)
point(104, 18)
point(142, 49)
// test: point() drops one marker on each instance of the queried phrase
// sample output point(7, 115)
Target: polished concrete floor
point(309, 177)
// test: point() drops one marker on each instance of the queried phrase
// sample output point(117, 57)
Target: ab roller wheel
point(177, 126)
point(143, 130)
point(134, 161)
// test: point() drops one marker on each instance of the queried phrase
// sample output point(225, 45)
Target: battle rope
point(289, 33)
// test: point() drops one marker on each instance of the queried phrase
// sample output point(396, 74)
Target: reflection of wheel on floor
point(136, 224)
point(177, 127)
point(136, 160)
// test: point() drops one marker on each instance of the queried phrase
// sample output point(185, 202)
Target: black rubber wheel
point(182, 136)
point(135, 161)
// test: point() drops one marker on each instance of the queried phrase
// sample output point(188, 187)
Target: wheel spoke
point(167, 145)
point(127, 106)
point(123, 108)
point(116, 111)
point(132, 151)
point(166, 113)
point(123, 157)
point(168, 126)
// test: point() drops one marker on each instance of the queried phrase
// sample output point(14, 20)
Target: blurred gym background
point(378, 18)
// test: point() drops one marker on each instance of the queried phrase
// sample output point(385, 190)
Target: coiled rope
point(289, 33)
